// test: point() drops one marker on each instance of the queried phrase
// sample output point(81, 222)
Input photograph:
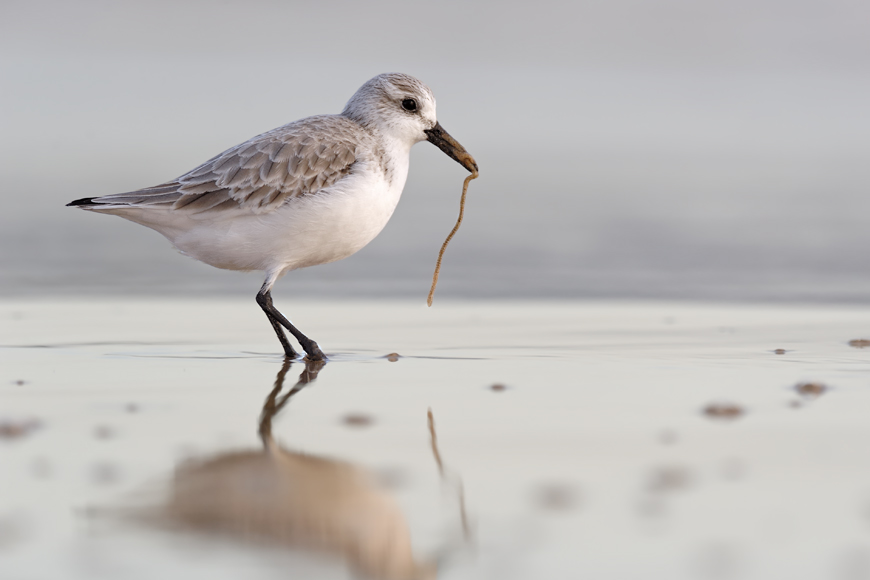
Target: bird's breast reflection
point(296, 499)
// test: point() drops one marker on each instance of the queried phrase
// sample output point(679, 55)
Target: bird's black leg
point(264, 299)
point(289, 351)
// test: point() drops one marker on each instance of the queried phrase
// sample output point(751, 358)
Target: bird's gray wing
point(262, 173)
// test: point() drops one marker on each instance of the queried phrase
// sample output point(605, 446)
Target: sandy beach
point(705, 440)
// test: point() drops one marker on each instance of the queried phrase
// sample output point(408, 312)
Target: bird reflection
point(298, 500)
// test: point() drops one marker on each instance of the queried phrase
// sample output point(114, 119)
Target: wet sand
point(155, 438)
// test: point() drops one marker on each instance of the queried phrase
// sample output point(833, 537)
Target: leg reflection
point(273, 404)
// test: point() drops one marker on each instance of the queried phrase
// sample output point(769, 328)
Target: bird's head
point(403, 108)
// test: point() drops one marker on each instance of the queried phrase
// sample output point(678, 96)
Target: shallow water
point(600, 440)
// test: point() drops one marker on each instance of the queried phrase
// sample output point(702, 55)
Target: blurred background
point(667, 149)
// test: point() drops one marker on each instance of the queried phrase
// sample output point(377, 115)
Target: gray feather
point(261, 174)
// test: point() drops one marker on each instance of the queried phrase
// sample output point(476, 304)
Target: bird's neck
point(396, 161)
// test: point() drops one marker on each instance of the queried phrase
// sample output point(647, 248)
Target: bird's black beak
point(442, 139)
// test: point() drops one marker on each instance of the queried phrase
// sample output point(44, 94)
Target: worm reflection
point(297, 499)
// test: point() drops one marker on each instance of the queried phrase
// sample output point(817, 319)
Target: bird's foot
point(313, 352)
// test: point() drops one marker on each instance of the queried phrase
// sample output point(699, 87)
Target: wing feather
point(265, 168)
point(278, 173)
point(286, 151)
point(205, 201)
point(255, 160)
point(261, 174)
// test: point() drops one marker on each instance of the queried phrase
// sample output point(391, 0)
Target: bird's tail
point(85, 201)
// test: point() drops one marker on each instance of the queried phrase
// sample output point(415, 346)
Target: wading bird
point(311, 192)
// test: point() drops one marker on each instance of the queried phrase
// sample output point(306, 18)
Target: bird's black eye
point(409, 105)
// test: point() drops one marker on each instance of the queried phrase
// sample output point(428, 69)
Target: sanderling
point(311, 192)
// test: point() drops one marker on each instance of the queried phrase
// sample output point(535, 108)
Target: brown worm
point(449, 237)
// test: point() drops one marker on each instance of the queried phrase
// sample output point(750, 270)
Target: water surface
point(575, 440)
